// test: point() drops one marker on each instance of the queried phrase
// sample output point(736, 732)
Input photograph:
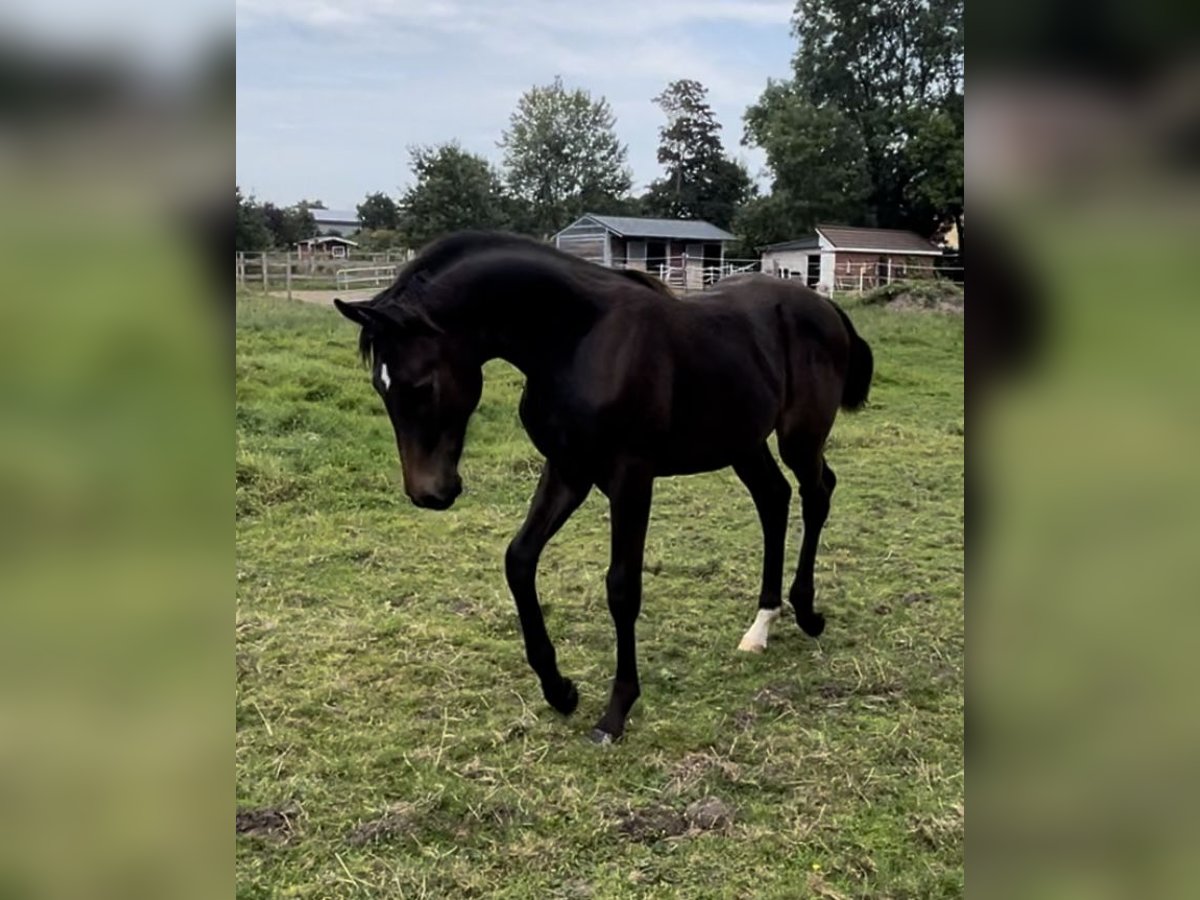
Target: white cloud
point(613, 17)
point(378, 76)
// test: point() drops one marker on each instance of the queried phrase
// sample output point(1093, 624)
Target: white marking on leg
point(755, 639)
point(384, 376)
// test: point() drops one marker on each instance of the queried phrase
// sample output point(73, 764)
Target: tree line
point(868, 130)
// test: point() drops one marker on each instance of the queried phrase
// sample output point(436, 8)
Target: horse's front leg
point(630, 507)
point(553, 502)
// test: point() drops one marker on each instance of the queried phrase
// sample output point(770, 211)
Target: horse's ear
point(360, 313)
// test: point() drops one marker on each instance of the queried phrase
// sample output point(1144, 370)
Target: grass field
point(391, 740)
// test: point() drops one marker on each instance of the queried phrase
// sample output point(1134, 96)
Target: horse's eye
point(417, 394)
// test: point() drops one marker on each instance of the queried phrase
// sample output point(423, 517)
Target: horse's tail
point(860, 370)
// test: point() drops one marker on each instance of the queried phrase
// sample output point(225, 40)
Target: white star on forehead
point(384, 377)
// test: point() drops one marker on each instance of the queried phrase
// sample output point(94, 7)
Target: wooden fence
point(285, 271)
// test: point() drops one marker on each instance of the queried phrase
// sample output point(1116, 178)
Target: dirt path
point(325, 298)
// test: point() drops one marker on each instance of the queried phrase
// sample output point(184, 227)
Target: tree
point(883, 81)
point(762, 221)
point(700, 181)
point(817, 155)
point(378, 211)
point(379, 240)
point(251, 234)
point(289, 226)
point(562, 156)
point(454, 190)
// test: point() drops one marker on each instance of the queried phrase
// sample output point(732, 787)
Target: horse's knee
point(618, 583)
point(520, 562)
point(829, 478)
point(618, 580)
point(624, 587)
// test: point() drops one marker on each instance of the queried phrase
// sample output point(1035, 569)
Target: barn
point(329, 246)
point(684, 252)
point(336, 221)
point(843, 258)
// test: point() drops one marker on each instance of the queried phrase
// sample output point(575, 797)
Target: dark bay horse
point(624, 384)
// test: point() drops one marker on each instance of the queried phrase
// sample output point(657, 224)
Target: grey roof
point(872, 240)
point(679, 229)
point(329, 239)
point(335, 215)
point(883, 239)
point(804, 243)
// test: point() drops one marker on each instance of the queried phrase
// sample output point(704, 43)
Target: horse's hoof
point(601, 737)
point(750, 645)
point(567, 698)
point(812, 624)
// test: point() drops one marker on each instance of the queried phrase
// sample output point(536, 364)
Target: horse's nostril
point(435, 501)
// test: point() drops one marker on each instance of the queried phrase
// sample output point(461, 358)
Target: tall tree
point(454, 190)
point(761, 221)
point(884, 81)
point(700, 181)
point(251, 234)
point(378, 211)
point(562, 156)
point(817, 155)
point(290, 225)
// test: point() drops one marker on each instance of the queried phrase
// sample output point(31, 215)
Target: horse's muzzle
point(437, 500)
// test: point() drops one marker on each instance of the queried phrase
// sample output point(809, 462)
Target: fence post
point(862, 271)
point(288, 275)
point(889, 270)
point(266, 280)
point(241, 268)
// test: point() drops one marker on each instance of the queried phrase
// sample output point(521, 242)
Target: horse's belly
point(712, 438)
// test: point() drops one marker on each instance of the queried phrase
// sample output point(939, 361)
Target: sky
point(331, 94)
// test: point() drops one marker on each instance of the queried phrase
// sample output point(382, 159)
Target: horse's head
point(430, 384)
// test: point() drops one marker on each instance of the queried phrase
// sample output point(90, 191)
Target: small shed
point(336, 221)
point(684, 252)
point(329, 246)
point(843, 258)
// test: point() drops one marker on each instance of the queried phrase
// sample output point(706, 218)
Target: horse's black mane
point(400, 301)
point(443, 253)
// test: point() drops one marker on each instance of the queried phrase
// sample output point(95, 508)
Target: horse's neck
point(530, 327)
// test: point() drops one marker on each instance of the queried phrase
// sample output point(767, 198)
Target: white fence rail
point(688, 275)
point(858, 277)
point(364, 276)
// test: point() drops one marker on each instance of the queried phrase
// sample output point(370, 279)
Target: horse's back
point(756, 292)
point(814, 340)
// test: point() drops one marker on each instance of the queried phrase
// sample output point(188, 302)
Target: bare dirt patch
point(656, 823)
point(709, 813)
point(268, 822)
point(400, 819)
point(652, 824)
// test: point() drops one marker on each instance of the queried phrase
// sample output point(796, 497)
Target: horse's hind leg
point(772, 494)
point(556, 498)
point(629, 495)
point(805, 457)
